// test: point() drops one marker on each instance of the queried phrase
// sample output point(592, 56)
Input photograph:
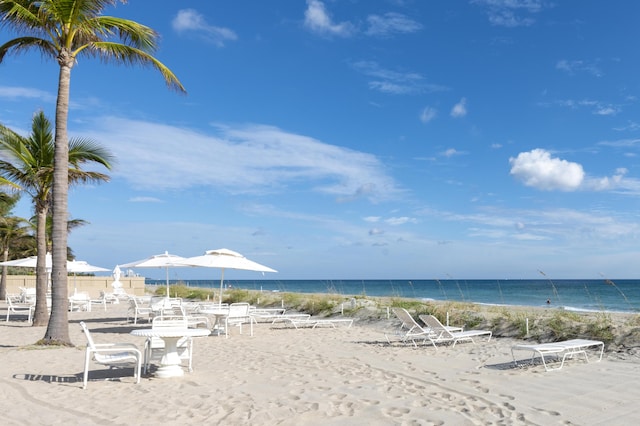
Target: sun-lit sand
point(284, 376)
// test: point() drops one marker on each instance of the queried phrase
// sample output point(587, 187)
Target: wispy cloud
point(573, 67)
point(239, 159)
point(189, 21)
point(19, 93)
point(511, 13)
point(451, 152)
point(145, 200)
point(391, 23)
point(318, 20)
point(395, 82)
point(428, 114)
point(596, 107)
point(561, 225)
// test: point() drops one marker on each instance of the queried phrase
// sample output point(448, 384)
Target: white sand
point(308, 377)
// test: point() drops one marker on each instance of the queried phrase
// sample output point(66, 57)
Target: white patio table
point(170, 362)
point(219, 315)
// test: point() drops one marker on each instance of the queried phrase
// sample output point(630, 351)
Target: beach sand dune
point(284, 376)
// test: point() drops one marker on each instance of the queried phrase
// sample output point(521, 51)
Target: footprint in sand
point(396, 412)
point(551, 413)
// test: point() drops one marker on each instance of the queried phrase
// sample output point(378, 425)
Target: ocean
point(578, 295)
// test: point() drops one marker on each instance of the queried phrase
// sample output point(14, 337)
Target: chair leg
point(87, 357)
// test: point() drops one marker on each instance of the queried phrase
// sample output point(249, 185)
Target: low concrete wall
point(91, 285)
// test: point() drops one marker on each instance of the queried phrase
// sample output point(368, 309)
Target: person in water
point(548, 301)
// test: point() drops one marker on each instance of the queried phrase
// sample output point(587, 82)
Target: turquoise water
point(579, 295)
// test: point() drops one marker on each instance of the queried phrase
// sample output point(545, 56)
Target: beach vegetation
point(634, 320)
point(600, 327)
point(184, 292)
point(28, 162)
point(66, 31)
point(408, 304)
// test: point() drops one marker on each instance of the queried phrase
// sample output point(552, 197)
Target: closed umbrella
point(164, 260)
point(225, 259)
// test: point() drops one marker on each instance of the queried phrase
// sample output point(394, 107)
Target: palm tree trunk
point(58, 329)
point(41, 315)
point(3, 280)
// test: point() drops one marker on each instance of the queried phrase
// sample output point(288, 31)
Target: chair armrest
point(115, 346)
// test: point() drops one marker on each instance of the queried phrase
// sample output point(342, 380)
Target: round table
point(170, 362)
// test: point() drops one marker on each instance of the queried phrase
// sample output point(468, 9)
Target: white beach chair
point(438, 333)
point(409, 330)
point(80, 302)
point(15, 306)
point(299, 322)
point(114, 355)
point(238, 315)
point(566, 349)
point(137, 309)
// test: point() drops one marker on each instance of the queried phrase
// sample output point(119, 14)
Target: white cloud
point(318, 20)
point(509, 13)
point(17, 93)
point(395, 221)
point(571, 67)
point(376, 231)
point(538, 169)
point(372, 219)
point(395, 82)
point(241, 159)
point(145, 200)
point(450, 152)
point(459, 109)
point(428, 114)
point(597, 107)
point(190, 21)
point(391, 23)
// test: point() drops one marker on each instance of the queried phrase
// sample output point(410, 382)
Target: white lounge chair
point(15, 306)
point(410, 330)
point(311, 322)
point(438, 333)
point(154, 346)
point(566, 349)
point(114, 355)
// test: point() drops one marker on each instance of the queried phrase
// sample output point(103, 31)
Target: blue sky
point(348, 139)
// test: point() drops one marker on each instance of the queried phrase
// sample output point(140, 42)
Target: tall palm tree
point(65, 30)
point(13, 234)
point(29, 163)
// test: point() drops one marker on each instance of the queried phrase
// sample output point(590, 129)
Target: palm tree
point(29, 164)
point(13, 234)
point(65, 30)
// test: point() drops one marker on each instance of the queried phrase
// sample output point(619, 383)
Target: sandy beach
point(324, 376)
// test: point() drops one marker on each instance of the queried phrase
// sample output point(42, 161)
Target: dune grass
point(518, 322)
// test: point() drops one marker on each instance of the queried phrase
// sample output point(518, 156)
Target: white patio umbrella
point(80, 266)
point(164, 260)
point(73, 266)
point(28, 262)
point(225, 259)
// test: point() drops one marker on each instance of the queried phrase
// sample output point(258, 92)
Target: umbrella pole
point(221, 284)
point(167, 269)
